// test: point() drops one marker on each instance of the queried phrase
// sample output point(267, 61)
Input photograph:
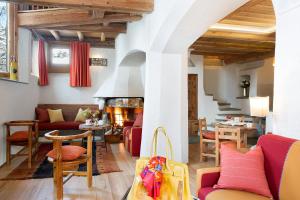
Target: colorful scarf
point(152, 176)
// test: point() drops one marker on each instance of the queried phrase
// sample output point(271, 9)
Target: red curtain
point(79, 69)
point(43, 69)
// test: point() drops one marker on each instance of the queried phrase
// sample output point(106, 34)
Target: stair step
point(234, 115)
point(229, 109)
point(224, 104)
point(247, 120)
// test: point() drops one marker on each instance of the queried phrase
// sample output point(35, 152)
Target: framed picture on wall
point(98, 62)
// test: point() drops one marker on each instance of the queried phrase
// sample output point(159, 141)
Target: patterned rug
point(103, 162)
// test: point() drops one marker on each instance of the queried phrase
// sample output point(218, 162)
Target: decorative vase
point(13, 69)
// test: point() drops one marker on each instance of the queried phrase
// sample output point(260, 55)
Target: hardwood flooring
point(110, 186)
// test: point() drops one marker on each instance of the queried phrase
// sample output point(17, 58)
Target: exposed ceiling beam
point(95, 42)
point(120, 28)
point(230, 43)
point(239, 36)
point(230, 47)
point(80, 36)
point(127, 6)
point(215, 53)
point(69, 17)
point(249, 58)
point(98, 14)
point(55, 34)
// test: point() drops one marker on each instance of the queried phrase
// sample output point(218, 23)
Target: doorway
point(193, 104)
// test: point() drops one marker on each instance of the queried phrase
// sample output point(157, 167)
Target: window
point(59, 55)
point(3, 37)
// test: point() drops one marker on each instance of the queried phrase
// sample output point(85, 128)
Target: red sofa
point(282, 164)
point(132, 134)
point(69, 113)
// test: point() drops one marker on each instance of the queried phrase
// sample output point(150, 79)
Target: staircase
point(225, 109)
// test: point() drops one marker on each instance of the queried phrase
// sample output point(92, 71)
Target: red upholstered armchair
point(132, 133)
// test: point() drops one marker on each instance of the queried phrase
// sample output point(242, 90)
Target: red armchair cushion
point(19, 136)
point(67, 125)
point(209, 135)
point(203, 192)
point(42, 115)
point(135, 141)
point(69, 152)
point(128, 123)
point(138, 121)
point(275, 149)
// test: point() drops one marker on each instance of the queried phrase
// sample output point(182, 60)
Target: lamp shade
point(259, 106)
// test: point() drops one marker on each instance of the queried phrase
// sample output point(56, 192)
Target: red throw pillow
point(138, 121)
point(42, 115)
point(69, 152)
point(243, 171)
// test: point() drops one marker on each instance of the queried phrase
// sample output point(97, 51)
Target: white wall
point(18, 100)
point(224, 82)
point(206, 106)
point(287, 71)
point(59, 90)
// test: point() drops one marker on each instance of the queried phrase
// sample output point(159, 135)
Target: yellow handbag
point(175, 183)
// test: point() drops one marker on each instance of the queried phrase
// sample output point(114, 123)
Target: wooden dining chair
point(69, 157)
point(207, 141)
point(232, 135)
point(26, 138)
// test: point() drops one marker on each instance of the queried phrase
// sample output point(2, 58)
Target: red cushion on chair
point(69, 152)
point(42, 115)
point(138, 121)
point(209, 135)
point(19, 136)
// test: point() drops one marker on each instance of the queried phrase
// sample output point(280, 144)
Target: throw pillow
point(69, 153)
point(56, 115)
point(243, 171)
point(81, 115)
point(42, 115)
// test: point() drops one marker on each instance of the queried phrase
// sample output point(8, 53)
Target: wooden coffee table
point(94, 128)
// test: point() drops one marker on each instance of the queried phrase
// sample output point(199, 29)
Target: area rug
point(103, 162)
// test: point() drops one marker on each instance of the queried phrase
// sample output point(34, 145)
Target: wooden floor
point(110, 186)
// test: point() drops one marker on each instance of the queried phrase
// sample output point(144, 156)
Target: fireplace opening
point(120, 110)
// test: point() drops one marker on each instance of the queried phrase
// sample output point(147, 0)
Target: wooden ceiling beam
point(215, 53)
point(125, 6)
point(55, 34)
point(229, 43)
point(249, 58)
point(248, 23)
point(95, 42)
point(69, 17)
point(239, 36)
point(228, 49)
point(80, 36)
point(236, 41)
point(120, 28)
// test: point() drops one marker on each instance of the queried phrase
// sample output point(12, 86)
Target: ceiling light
point(243, 29)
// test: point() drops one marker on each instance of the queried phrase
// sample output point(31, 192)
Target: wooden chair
point(207, 138)
point(62, 167)
point(27, 138)
point(233, 135)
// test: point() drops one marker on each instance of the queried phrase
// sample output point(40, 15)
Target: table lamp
point(259, 108)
